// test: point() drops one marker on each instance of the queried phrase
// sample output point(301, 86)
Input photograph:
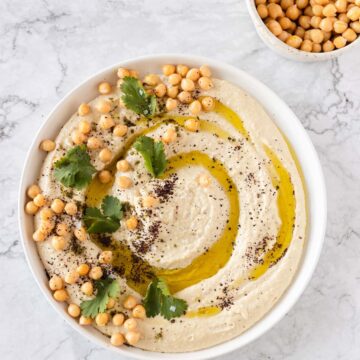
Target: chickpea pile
point(312, 25)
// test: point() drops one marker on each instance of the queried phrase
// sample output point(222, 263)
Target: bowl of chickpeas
point(307, 30)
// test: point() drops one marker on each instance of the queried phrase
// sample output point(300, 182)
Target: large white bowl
point(287, 51)
point(283, 117)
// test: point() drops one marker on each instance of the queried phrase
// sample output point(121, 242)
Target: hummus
point(229, 247)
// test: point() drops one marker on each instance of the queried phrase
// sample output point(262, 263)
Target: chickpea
point(83, 269)
point(160, 90)
point(187, 84)
point(171, 104)
point(322, 2)
point(168, 69)
point(149, 201)
point(122, 72)
point(284, 36)
point(275, 11)
point(300, 32)
point(340, 26)
point(118, 319)
point(104, 88)
point(174, 79)
point(139, 312)
point(124, 182)
point(205, 83)
point(316, 48)
point(205, 71)
point(117, 339)
point(257, 2)
point(85, 320)
point(83, 109)
point(123, 165)
point(130, 324)
point(105, 176)
point(132, 223)
point(39, 235)
point(61, 295)
point(84, 127)
point(103, 106)
point(152, 79)
point(87, 288)
point(110, 304)
point(329, 10)
point(341, 6)
point(74, 310)
point(105, 155)
point(46, 226)
point(106, 122)
point(47, 145)
point(326, 25)
point(355, 26)
point(130, 302)
point(317, 10)
point(302, 4)
point(349, 35)
point(78, 137)
point(285, 4)
point(262, 11)
point(57, 206)
point(169, 136)
point(172, 91)
point(195, 107)
point(328, 46)
point(71, 277)
point(185, 97)
point(94, 143)
point(208, 103)
point(285, 23)
point(102, 319)
point(274, 27)
point(308, 11)
point(71, 208)
point(317, 36)
point(56, 283)
point(194, 74)
point(80, 233)
point(182, 70)
point(293, 12)
point(62, 229)
point(132, 337)
point(204, 180)
point(192, 125)
point(95, 273)
point(294, 41)
point(307, 35)
point(304, 22)
point(106, 257)
point(354, 13)
point(33, 190)
point(39, 200)
point(292, 28)
point(31, 208)
point(120, 130)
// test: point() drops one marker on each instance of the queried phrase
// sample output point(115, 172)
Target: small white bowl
point(287, 51)
point(283, 117)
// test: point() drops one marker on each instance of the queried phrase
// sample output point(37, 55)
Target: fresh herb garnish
point(106, 220)
point(153, 154)
point(159, 301)
point(106, 288)
point(74, 170)
point(136, 99)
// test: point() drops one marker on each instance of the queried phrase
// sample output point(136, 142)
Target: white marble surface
point(47, 47)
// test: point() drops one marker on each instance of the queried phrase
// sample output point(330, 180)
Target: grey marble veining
point(47, 47)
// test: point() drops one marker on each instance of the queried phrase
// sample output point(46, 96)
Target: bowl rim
point(316, 201)
point(282, 48)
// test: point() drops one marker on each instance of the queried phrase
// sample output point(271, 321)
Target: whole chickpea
point(171, 104)
point(185, 97)
point(47, 145)
point(169, 136)
point(106, 122)
point(40, 200)
point(317, 10)
point(58, 243)
point(285, 23)
point(306, 45)
point(130, 324)
point(103, 106)
point(83, 269)
point(62, 229)
point(139, 312)
point(83, 109)
point(31, 208)
point(174, 79)
point(326, 24)
point(168, 69)
point(122, 72)
point(130, 302)
point(95, 273)
point(284, 36)
point(294, 41)
point(72, 277)
point(160, 90)
point(74, 310)
point(94, 143)
point(132, 223)
point(275, 10)
point(33, 190)
point(355, 26)
point(315, 22)
point(300, 32)
point(328, 46)
point(61, 295)
point(316, 48)
point(302, 4)
point(84, 127)
point(106, 257)
point(172, 91)
point(285, 4)
point(149, 201)
point(104, 88)
point(192, 125)
point(353, 13)
point(132, 337)
point(182, 70)
point(187, 84)
point(203, 180)
point(105, 176)
point(57, 206)
point(349, 35)
point(56, 283)
point(124, 182)
point(117, 339)
point(205, 71)
point(110, 304)
point(208, 103)
point(206, 83)
point(195, 107)
point(102, 319)
point(293, 12)
point(123, 165)
point(344, 18)
point(105, 155)
point(194, 73)
point(120, 130)
point(80, 233)
point(152, 79)
point(85, 320)
point(317, 36)
point(329, 10)
point(308, 11)
point(78, 137)
point(262, 11)
point(341, 5)
point(87, 288)
point(274, 27)
point(304, 22)
point(39, 235)
point(118, 319)
point(46, 213)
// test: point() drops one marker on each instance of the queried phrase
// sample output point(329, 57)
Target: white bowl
point(287, 51)
point(283, 117)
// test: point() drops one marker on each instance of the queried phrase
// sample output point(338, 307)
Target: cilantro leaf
point(136, 99)
point(74, 169)
point(153, 154)
point(159, 301)
point(106, 288)
point(106, 220)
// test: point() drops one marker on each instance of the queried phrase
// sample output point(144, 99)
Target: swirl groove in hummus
point(229, 247)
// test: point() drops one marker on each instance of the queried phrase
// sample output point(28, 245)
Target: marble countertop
point(48, 47)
